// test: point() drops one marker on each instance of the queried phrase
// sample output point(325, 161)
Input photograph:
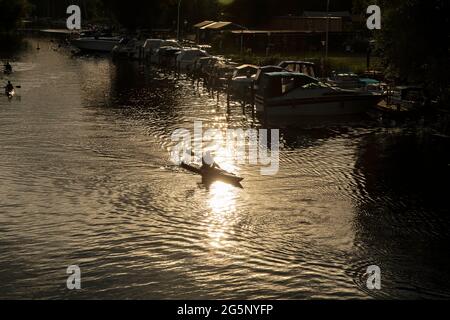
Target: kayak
point(10, 94)
point(213, 174)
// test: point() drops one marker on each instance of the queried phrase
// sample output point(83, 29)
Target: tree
point(414, 40)
point(258, 13)
point(11, 12)
point(133, 14)
point(91, 9)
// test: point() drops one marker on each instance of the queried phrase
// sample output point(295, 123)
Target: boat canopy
point(245, 70)
point(306, 63)
point(287, 74)
point(276, 84)
point(247, 66)
point(308, 68)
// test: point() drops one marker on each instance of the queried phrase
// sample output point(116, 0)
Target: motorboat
point(307, 68)
point(128, 48)
point(151, 47)
point(243, 78)
point(297, 94)
point(96, 43)
point(262, 71)
point(345, 81)
point(188, 57)
point(221, 73)
point(408, 97)
point(167, 56)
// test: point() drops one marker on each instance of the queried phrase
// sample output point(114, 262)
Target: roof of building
point(218, 25)
point(222, 25)
point(203, 23)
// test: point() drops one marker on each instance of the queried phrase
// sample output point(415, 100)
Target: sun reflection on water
point(222, 199)
point(223, 208)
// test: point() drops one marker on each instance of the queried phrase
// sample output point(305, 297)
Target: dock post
point(253, 101)
point(228, 94)
point(266, 118)
point(252, 88)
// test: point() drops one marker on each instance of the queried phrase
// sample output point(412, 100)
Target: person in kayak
point(9, 87)
point(208, 163)
point(8, 67)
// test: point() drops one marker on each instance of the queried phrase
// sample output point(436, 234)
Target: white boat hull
point(98, 45)
point(318, 106)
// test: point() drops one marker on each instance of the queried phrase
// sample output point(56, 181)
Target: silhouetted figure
point(9, 88)
point(208, 163)
point(8, 67)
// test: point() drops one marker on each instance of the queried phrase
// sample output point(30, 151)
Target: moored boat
point(296, 94)
point(304, 67)
point(97, 44)
point(345, 81)
point(243, 78)
point(128, 48)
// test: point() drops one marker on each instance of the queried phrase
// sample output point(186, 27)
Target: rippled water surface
point(86, 180)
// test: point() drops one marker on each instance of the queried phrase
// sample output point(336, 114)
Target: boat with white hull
point(98, 44)
point(296, 94)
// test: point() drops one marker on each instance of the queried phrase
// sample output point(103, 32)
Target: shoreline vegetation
point(337, 61)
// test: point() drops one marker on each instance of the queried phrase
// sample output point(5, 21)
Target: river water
point(86, 180)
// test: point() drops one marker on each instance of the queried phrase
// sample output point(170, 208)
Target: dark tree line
point(56, 9)
point(414, 41)
point(11, 12)
point(159, 13)
point(250, 13)
point(257, 13)
point(163, 13)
